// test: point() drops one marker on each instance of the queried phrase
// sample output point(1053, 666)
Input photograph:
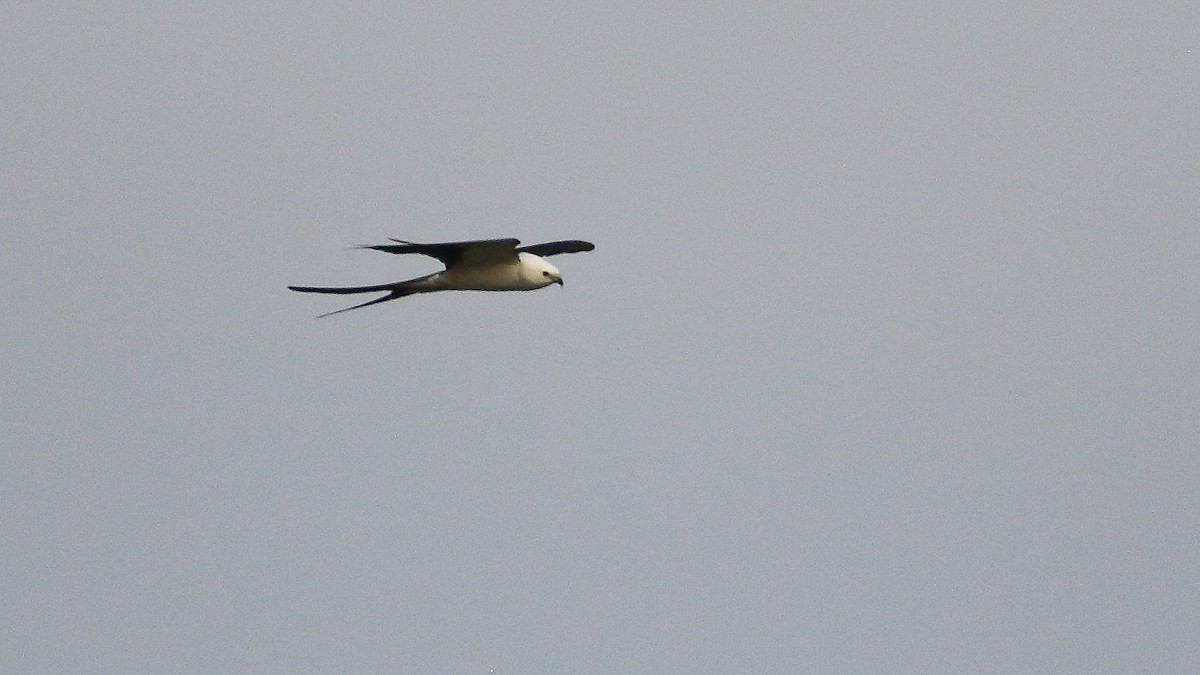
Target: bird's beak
point(558, 281)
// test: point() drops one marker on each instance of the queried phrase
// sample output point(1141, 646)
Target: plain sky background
point(887, 359)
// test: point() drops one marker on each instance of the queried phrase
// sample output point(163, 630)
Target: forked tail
point(395, 290)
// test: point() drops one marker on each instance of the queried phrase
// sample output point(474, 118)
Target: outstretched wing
point(479, 253)
point(556, 247)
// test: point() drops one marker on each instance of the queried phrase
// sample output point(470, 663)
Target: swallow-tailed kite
point(484, 265)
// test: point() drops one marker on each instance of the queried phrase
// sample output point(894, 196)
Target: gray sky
point(886, 360)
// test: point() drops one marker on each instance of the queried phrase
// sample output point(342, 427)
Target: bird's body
point(527, 273)
point(483, 265)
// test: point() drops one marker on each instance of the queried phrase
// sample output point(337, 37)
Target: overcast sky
point(887, 358)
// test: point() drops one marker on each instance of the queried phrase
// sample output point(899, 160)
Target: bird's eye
point(545, 274)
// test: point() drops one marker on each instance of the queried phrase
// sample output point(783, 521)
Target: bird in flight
point(483, 265)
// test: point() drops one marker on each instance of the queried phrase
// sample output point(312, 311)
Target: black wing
point(481, 252)
point(556, 247)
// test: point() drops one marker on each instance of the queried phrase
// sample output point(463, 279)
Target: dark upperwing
point(479, 252)
point(556, 247)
